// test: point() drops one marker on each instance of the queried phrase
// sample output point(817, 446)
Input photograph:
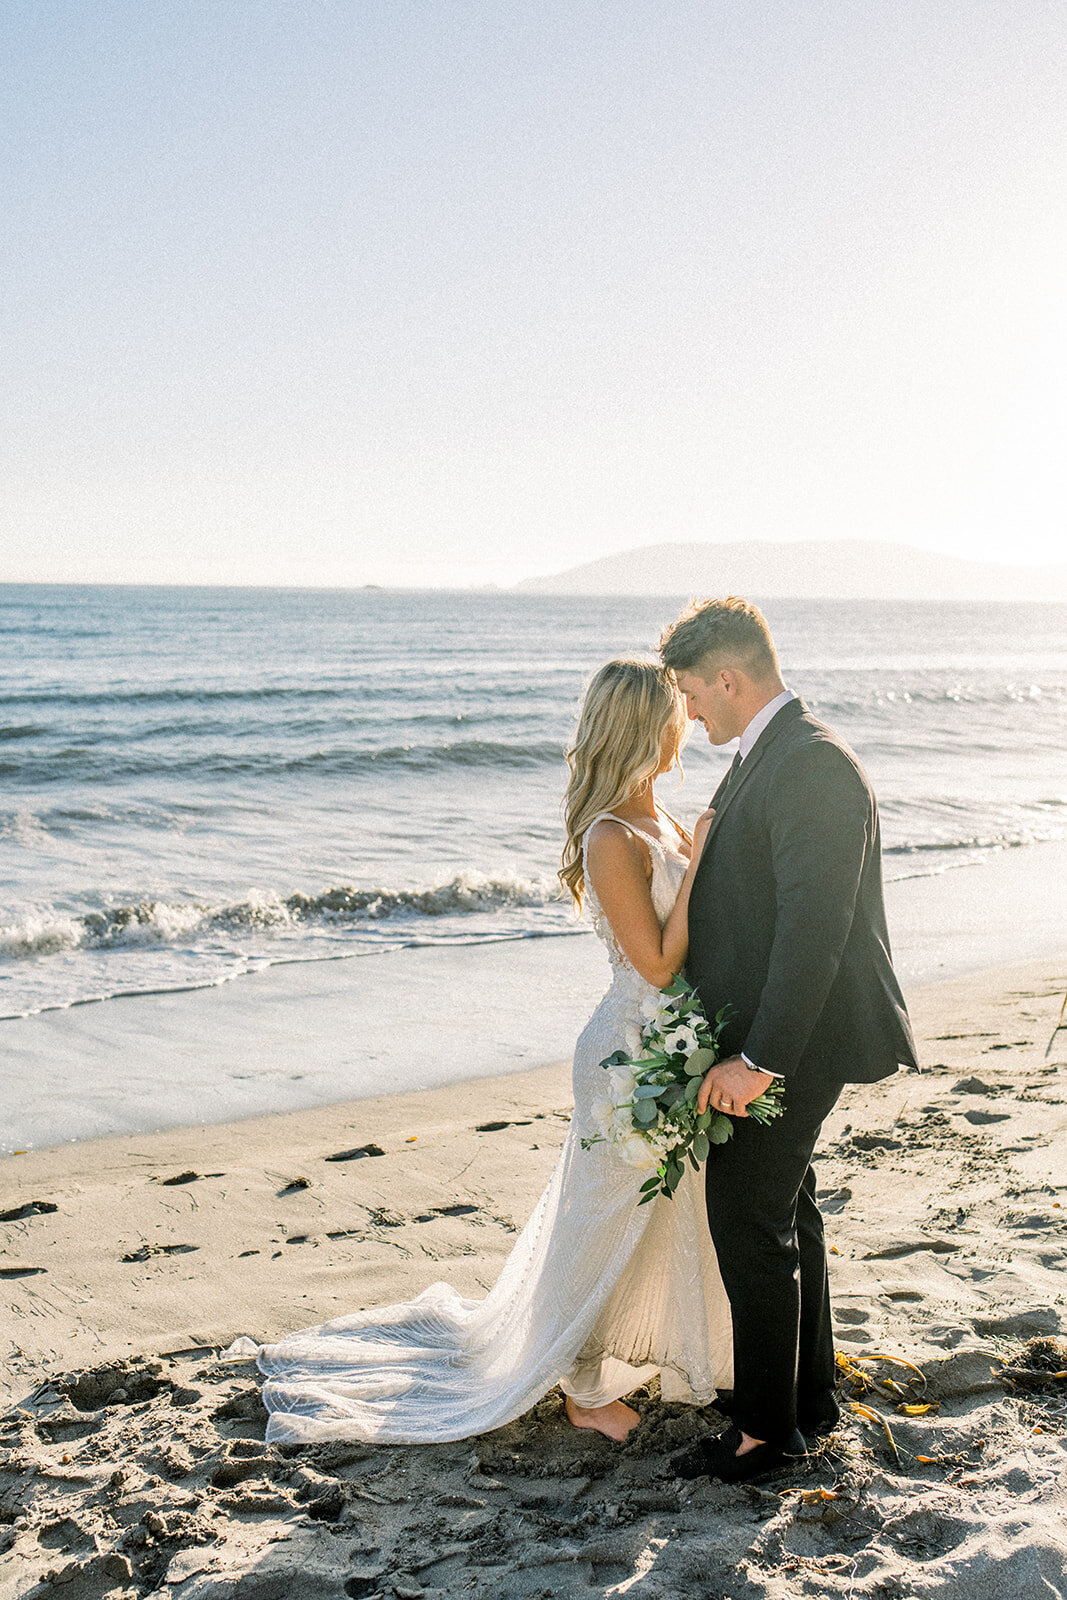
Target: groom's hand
point(730, 1085)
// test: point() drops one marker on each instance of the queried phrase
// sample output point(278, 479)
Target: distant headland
point(831, 569)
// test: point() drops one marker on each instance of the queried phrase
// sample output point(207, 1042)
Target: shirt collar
point(762, 718)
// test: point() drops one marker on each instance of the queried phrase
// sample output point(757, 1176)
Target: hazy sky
point(459, 291)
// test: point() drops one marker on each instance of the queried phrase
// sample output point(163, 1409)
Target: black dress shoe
point(718, 1458)
point(821, 1423)
point(813, 1425)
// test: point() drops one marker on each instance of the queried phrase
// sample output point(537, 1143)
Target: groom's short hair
point(730, 632)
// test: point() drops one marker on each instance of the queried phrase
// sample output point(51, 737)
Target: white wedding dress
point(597, 1295)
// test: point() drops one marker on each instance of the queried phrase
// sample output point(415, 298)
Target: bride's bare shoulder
point(613, 846)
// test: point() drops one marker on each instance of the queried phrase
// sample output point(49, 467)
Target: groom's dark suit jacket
point(786, 917)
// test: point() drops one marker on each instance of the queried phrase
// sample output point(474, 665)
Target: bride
point(598, 1293)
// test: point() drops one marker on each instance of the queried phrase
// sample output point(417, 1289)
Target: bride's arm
point(617, 867)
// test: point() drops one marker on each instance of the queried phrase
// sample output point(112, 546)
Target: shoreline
point(433, 1138)
point(132, 1461)
point(921, 999)
point(305, 1034)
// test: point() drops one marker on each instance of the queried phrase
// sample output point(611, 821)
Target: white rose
point(600, 1115)
point(636, 1152)
point(622, 1084)
point(622, 1122)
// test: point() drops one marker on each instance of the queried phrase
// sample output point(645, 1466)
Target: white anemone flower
point(661, 1017)
point(635, 1044)
point(682, 1039)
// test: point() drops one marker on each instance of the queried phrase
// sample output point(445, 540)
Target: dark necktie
point(724, 786)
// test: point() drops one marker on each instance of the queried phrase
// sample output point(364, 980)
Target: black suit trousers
point(768, 1235)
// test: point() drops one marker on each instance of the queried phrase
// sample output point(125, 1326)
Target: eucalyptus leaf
point(700, 1062)
point(673, 1176)
point(649, 1091)
point(721, 1130)
point(701, 1146)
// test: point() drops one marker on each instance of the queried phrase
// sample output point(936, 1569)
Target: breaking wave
point(159, 922)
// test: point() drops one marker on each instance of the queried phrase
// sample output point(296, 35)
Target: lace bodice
point(668, 870)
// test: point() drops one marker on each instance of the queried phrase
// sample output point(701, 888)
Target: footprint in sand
point(851, 1314)
point(384, 1218)
point(147, 1250)
point(186, 1177)
point(447, 1211)
point(32, 1208)
point(875, 1141)
point(848, 1327)
point(113, 1384)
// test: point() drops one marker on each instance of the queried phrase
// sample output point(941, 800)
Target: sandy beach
point(131, 1453)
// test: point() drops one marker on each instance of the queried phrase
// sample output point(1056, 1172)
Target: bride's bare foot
point(616, 1420)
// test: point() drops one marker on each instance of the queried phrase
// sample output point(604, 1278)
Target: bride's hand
point(700, 833)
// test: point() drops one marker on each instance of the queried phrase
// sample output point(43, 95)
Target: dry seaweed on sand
point(1040, 1363)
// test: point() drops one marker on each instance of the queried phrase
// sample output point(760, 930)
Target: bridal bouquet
point(649, 1113)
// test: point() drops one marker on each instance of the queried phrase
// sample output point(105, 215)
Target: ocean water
point(196, 783)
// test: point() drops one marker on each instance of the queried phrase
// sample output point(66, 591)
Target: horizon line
point(514, 590)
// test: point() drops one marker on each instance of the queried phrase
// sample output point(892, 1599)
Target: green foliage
point(664, 1096)
point(701, 1062)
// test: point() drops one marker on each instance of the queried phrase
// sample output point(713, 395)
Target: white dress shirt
point(748, 739)
point(762, 718)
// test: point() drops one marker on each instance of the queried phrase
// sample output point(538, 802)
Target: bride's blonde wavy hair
point(630, 709)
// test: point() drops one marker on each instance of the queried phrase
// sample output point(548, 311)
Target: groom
point(787, 927)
